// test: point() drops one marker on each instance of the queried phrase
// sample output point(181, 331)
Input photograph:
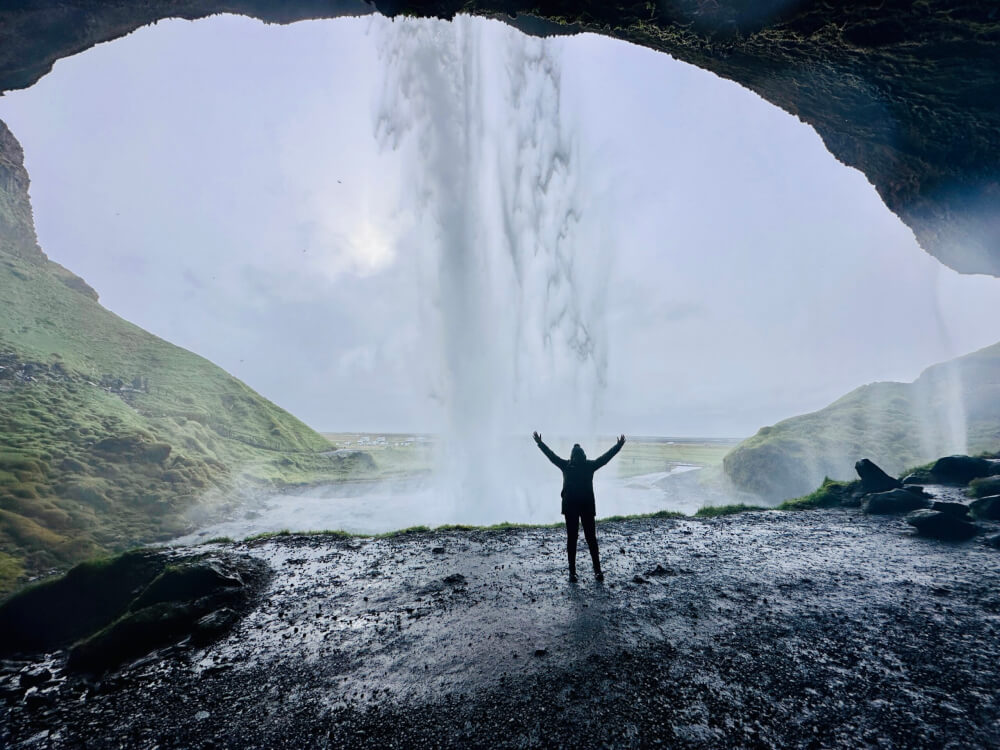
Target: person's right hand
point(537, 437)
point(621, 441)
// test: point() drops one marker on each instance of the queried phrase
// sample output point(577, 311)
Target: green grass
point(642, 516)
point(267, 535)
point(829, 494)
point(715, 511)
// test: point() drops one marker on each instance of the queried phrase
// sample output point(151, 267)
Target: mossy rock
point(941, 525)
point(59, 611)
point(986, 508)
point(198, 597)
point(984, 487)
point(830, 494)
point(119, 608)
point(893, 502)
point(963, 469)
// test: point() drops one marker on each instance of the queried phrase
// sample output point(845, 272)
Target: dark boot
point(598, 574)
point(590, 533)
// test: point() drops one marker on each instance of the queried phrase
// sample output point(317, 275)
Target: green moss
point(11, 571)
point(714, 511)
point(267, 535)
point(93, 593)
point(984, 487)
point(403, 532)
point(829, 494)
point(641, 516)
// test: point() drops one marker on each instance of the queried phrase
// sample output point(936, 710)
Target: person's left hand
point(537, 437)
point(621, 441)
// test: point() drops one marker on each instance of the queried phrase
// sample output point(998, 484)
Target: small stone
point(638, 579)
point(437, 551)
point(659, 570)
point(36, 676)
point(541, 651)
point(202, 715)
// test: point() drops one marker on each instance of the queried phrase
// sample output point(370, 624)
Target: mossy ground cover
point(716, 511)
point(829, 494)
point(893, 424)
point(110, 437)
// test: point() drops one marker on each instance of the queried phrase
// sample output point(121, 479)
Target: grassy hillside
point(109, 436)
point(896, 425)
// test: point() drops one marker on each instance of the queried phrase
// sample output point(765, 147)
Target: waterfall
point(511, 265)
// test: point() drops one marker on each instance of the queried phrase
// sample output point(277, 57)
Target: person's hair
point(577, 455)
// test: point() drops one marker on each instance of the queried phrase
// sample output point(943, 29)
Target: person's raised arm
point(560, 462)
point(600, 461)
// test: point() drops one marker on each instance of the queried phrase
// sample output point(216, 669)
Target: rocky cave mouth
point(731, 631)
point(905, 93)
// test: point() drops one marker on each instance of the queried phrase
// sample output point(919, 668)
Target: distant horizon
point(513, 435)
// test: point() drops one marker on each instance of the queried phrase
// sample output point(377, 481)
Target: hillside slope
point(110, 436)
point(896, 425)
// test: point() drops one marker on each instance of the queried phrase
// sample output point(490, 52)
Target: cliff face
point(905, 92)
point(17, 224)
point(109, 436)
point(17, 228)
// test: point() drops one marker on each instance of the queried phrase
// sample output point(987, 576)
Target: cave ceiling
point(906, 92)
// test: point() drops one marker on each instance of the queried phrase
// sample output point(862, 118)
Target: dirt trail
point(811, 629)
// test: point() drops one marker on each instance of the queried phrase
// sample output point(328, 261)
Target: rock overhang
point(908, 93)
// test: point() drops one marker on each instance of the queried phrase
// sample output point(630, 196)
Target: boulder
point(873, 479)
point(918, 477)
point(197, 597)
point(985, 487)
point(58, 611)
point(963, 469)
point(993, 540)
point(959, 510)
point(194, 578)
point(937, 524)
point(986, 508)
point(894, 501)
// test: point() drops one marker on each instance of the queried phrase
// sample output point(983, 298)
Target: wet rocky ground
point(809, 629)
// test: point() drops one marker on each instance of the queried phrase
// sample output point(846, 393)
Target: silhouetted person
point(578, 498)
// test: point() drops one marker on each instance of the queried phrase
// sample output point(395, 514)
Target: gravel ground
point(766, 629)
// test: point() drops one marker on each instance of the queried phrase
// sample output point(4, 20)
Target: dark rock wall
point(907, 92)
point(17, 227)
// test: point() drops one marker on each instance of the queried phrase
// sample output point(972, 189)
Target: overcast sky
point(219, 183)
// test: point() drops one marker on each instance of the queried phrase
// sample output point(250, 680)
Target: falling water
point(511, 262)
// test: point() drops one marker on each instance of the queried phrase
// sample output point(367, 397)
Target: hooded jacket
point(578, 478)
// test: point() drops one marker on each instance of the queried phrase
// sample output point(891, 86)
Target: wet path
point(814, 629)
